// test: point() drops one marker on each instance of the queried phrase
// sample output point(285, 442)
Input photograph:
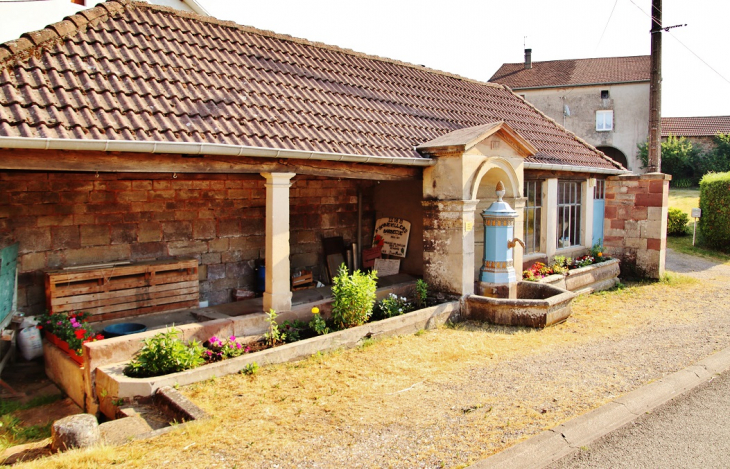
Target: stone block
point(34, 239)
point(75, 431)
point(95, 235)
point(162, 194)
point(120, 431)
point(55, 220)
point(97, 254)
point(210, 258)
point(132, 196)
point(149, 232)
point(217, 271)
point(653, 229)
point(204, 229)
point(654, 244)
point(186, 248)
point(218, 245)
point(112, 185)
point(66, 237)
point(177, 230)
point(32, 261)
point(635, 243)
point(124, 233)
point(649, 200)
point(228, 228)
point(142, 185)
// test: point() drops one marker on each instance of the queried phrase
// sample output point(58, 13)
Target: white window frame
point(569, 214)
point(604, 121)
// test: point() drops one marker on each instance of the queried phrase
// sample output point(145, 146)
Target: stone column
point(448, 245)
point(277, 295)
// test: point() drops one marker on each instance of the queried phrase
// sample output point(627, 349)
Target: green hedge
point(715, 205)
point(677, 222)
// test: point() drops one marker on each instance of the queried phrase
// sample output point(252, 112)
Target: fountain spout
point(514, 242)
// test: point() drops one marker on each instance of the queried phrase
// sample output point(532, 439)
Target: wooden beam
point(67, 160)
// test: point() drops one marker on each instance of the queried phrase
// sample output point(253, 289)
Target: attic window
point(604, 94)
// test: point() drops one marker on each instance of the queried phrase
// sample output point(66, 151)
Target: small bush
point(677, 222)
point(354, 296)
point(715, 204)
point(163, 354)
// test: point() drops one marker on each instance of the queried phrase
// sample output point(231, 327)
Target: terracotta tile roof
point(695, 126)
point(133, 71)
point(574, 72)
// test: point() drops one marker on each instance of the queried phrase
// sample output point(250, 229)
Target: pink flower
point(238, 346)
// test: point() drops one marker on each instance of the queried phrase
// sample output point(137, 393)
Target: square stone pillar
point(549, 235)
point(278, 294)
point(448, 245)
point(636, 222)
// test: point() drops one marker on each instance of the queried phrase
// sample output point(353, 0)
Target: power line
point(654, 19)
point(606, 27)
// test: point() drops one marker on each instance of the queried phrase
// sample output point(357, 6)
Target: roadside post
point(696, 213)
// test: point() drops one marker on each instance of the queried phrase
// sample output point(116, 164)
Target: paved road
point(691, 431)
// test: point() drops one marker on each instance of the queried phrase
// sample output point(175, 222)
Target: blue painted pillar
point(497, 276)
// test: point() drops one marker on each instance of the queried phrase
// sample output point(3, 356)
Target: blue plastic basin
point(125, 328)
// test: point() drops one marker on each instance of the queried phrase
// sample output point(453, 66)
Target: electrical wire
point(606, 27)
point(655, 20)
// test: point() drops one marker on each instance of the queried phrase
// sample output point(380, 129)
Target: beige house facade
point(603, 101)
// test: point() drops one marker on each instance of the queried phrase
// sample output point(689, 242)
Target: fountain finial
point(500, 191)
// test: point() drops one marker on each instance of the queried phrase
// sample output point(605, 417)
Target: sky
point(472, 38)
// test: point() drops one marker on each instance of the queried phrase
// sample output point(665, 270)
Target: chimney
point(528, 59)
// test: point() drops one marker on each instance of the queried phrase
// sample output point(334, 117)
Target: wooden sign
point(386, 267)
point(394, 233)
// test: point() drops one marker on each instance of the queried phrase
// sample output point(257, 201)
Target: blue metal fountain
point(497, 276)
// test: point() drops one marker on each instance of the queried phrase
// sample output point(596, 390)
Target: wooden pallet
point(124, 290)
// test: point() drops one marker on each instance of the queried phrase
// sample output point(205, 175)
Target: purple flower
point(238, 346)
point(232, 338)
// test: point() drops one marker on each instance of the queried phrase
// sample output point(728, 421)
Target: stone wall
point(635, 226)
point(67, 219)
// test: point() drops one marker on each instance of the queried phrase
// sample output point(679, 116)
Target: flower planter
point(595, 277)
point(79, 359)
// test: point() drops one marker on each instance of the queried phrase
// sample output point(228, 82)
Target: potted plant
point(68, 332)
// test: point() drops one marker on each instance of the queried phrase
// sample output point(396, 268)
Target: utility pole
point(655, 91)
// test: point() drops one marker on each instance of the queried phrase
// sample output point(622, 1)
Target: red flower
point(80, 333)
point(39, 327)
point(99, 337)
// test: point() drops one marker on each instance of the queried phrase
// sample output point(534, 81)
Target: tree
point(679, 158)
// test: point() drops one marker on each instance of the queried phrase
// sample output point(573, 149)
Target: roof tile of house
point(574, 72)
point(695, 126)
point(132, 71)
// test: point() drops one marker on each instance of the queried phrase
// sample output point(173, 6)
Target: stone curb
point(551, 445)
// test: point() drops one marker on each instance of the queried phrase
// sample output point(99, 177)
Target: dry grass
point(684, 199)
point(441, 397)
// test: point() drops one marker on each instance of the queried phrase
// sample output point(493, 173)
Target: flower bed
point(110, 380)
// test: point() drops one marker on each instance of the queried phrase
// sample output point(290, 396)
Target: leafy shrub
point(163, 354)
point(597, 252)
point(392, 305)
point(274, 336)
point(219, 348)
point(561, 264)
point(679, 158)
point(715, 204)
point(677, 222)
point(354, 296)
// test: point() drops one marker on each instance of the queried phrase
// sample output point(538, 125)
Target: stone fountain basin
point(536, 305)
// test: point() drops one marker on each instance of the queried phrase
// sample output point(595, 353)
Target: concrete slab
point(546, 446)
point(120, 431)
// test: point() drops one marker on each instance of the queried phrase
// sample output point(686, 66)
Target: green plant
point(251, 369)
point(72, 328)
point(274, 336)
point(560, 264)
point(354, 296)
point(679, 158)
point(318, 324)
point(164, 353)
point(715, 204)
point(392, 305)
point(598, 252)
point(421, 293)
point(217, 348)
point(677, 222)
point(292, 330)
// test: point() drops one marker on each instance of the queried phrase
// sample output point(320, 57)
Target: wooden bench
point(119, 291)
